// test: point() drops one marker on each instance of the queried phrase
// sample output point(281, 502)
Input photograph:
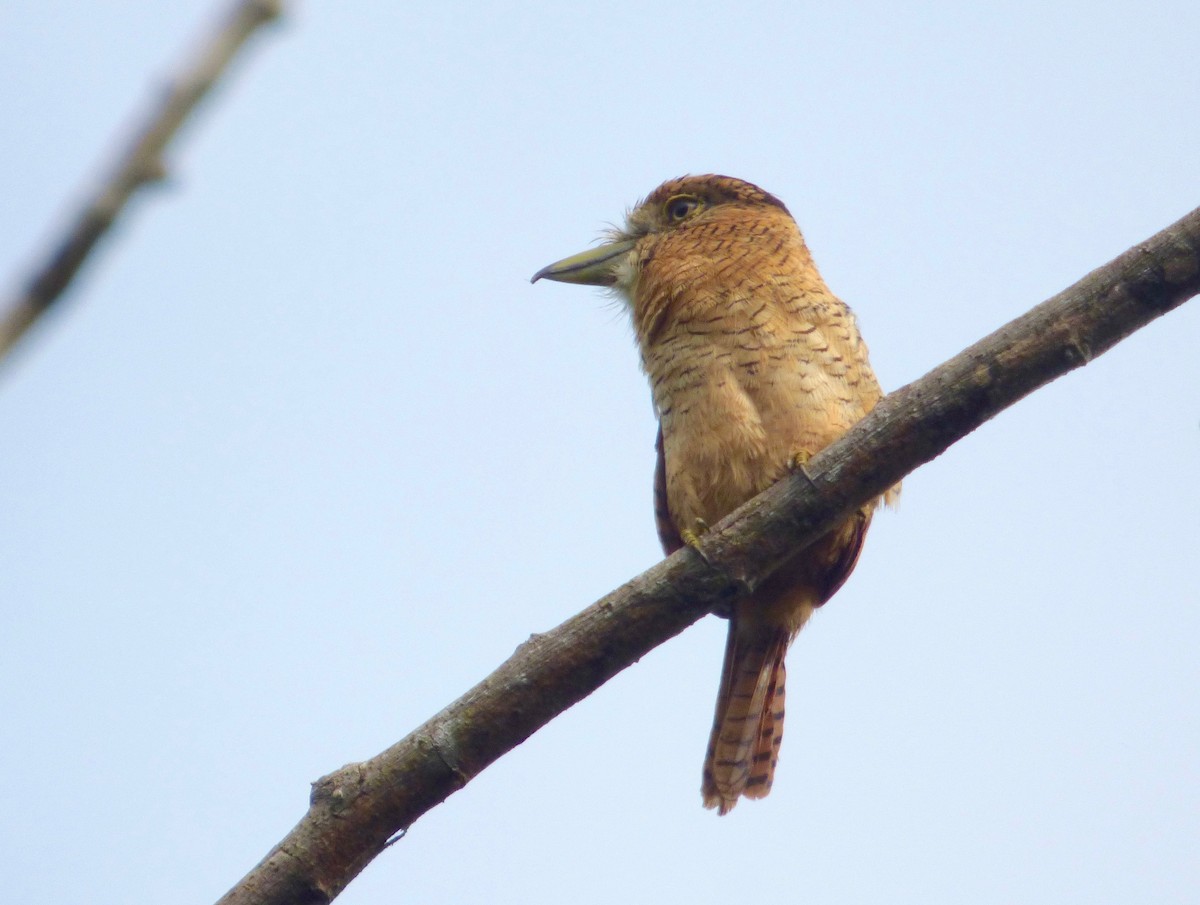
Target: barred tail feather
point(748, 725)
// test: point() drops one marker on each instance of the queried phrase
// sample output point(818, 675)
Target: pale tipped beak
point(596, 267)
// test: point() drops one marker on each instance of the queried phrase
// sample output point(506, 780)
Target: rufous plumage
point(754, 366)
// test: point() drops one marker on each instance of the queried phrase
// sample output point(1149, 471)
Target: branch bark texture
point(356, 810)
point(139, 165)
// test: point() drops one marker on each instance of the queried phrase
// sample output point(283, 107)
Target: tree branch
point(357, 809)
point(141, 164)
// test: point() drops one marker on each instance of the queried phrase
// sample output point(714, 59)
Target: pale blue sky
point(306, 455)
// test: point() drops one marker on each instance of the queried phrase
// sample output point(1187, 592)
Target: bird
point(754, 366)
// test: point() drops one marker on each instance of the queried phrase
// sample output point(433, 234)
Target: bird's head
point(679, 220)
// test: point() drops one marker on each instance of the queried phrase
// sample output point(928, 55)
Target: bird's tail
point(748, 725)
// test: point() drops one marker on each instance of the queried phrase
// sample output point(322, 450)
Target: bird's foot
point(691, 536)
point(798, 461)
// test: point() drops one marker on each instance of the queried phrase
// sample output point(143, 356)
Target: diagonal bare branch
point(356, 810)
point(139, 165)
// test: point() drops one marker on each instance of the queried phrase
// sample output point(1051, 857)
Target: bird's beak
point(595, 267)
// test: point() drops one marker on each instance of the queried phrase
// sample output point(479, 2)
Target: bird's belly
point(722, 446)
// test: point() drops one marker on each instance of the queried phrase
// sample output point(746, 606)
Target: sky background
point(305, 456)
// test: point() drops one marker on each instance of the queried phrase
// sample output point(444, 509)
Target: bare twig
point(140, 164)
point(356, 810)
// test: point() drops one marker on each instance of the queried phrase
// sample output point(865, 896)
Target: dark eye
point(681, 207)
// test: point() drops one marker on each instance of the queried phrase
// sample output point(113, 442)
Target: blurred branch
point(141, 164)
point(355, 811)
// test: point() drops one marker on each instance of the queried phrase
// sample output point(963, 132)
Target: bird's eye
point(681, 207)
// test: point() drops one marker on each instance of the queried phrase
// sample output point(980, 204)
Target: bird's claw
point(691, 536)
point(798, 461)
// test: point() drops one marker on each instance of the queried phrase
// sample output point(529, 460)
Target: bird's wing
point(854, 532)
point(668, 534)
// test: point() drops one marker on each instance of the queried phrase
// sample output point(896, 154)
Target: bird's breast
point(738, 398)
